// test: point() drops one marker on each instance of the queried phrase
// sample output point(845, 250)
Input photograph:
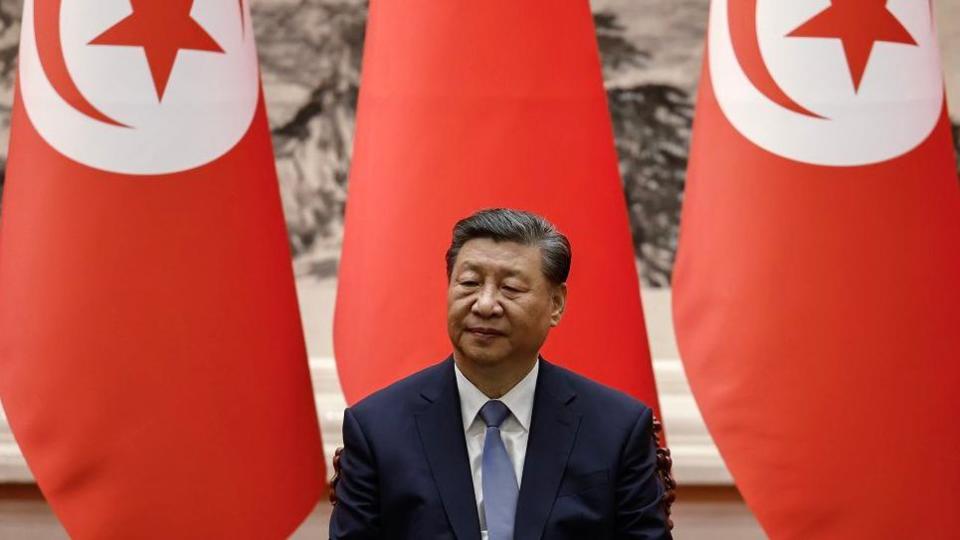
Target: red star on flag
point(858, 24)
point(161, 29)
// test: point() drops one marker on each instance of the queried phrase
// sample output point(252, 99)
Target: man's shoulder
point(403, 393)
point(594, 396)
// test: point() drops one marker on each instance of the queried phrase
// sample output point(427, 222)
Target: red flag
point(816, 293)
point(467, 105)
point(152, 362)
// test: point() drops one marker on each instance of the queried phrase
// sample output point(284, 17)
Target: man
point(495, 442)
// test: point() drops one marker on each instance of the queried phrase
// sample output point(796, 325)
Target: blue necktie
point(500, 487)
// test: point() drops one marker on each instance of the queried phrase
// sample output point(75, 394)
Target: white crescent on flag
point(141, 87)
point(821, 95)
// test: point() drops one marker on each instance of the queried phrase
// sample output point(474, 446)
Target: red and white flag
point(152, 363)
point(816, 292)
point(469, 105)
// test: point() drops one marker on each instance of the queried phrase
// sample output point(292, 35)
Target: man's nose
point(487, 303)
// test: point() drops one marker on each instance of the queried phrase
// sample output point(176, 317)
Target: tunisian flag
point(469, 105)
point(152, 362)
point(817, 290)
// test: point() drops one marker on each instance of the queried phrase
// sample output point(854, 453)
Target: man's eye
point(469, 283)
point(510, 289)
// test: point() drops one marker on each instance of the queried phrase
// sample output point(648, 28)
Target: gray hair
point(509, 225)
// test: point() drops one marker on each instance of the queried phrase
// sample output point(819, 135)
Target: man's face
point(500, 306)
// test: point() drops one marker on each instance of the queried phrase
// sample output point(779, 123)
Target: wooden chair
point(664, 472)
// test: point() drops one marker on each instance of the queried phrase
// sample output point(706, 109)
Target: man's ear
point(558, 297)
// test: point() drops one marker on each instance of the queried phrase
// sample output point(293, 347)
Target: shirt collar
point(519, 399)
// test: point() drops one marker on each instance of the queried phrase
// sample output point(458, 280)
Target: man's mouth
point(485, 332)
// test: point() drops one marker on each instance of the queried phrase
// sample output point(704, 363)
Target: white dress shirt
point(514, 431)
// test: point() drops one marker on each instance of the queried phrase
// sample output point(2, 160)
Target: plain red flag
point(816, 292)
point(152, 362)
point(469, 105)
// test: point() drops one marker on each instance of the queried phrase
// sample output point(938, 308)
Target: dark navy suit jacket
point(589, 472)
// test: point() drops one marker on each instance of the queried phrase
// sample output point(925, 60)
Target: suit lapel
point(441, 434)
point(553, 430)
